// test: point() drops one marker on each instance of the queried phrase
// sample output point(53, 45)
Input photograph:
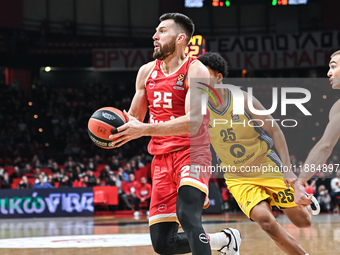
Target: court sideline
point(129, 235)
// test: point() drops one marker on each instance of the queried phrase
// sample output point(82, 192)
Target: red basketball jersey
point(166, 96)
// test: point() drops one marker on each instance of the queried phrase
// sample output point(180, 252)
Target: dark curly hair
point(215, 62)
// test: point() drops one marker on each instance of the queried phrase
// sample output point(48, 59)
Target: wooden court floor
point(322, 238)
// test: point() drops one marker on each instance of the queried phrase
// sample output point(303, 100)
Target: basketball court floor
point(129, 235)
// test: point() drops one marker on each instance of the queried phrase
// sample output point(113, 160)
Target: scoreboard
point(227, 3)
point(196, 46)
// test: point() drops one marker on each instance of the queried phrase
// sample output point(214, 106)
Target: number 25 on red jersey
point(167, 99)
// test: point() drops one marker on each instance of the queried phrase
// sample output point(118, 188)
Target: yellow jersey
point(243, 147)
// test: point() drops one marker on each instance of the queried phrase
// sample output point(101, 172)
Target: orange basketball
point(102, 123)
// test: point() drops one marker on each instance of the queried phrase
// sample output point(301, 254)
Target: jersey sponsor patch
point(237, 150)
point(151, 84)
point(178, 88)
point(242, 207)
point(162, 207)
point(180, 79)
point(234, 116)
point(154, 74)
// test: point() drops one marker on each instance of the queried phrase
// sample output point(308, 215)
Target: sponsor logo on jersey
point(180, 80)
point(162, 207)
point(249, 156)
point(248, 203)
point(242, 207)
point(234, 116)
point(151, 84)
point(178, 88)
point(153, 120)
point(154, 74)
point(237, 150)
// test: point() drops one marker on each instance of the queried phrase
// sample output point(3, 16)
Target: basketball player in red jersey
point(180, 142)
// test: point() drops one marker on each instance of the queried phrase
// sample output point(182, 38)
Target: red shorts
point(172, 170)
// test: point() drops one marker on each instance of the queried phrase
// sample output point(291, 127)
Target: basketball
point(101, 125)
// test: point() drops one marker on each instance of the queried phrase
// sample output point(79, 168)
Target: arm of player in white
point(323, 149)
point(318, 155)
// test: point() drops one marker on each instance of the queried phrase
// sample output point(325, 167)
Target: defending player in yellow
point(244, 145)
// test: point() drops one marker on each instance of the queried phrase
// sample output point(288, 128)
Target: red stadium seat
point(138, 175)
point(29, 175)
point(46, 170)
point(111, 193)
point(96, 174)
point(77, 184)
point(9, 169)
point(31, 181)
point(100, 198)
point(143, 172)
point(100, 167)
point(15, 183)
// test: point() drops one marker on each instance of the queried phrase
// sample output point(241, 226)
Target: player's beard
point(165, 50)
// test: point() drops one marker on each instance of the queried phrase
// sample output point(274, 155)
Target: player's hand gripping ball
point(103, 123)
